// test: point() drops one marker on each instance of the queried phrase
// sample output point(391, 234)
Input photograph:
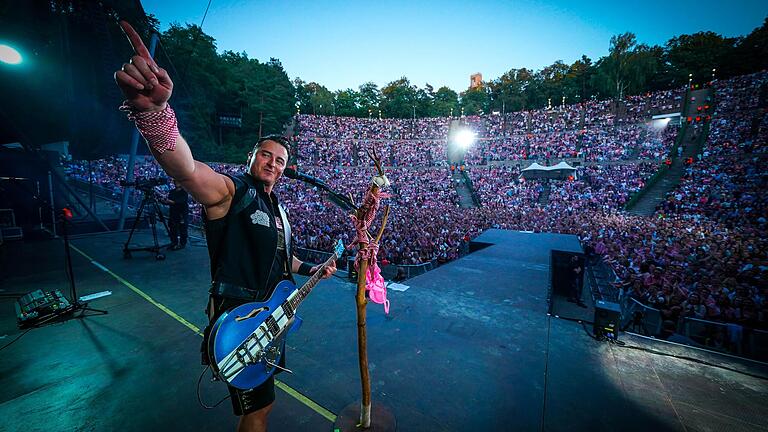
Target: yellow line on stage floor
point(283, 386)
point(305, 400)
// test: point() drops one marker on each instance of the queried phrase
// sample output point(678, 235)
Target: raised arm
point(147, 89)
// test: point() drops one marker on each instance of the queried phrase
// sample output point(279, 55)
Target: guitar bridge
point(270, 357)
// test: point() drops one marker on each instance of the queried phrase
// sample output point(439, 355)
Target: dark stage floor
point(468, 347)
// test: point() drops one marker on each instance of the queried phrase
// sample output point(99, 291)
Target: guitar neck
point(305, 289)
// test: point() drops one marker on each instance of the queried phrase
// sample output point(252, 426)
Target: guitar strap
point(246, 199)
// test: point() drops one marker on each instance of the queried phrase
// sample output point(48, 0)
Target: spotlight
point(661, 123)
point(464, 138)
point(9, 55)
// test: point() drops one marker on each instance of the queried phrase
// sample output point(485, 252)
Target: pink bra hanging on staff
point(374, 284)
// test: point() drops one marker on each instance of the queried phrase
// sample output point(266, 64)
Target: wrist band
point(305, 269)
point(160, 128)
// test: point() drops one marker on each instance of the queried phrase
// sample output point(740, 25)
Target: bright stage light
point(464, 138)
point(9, 55)
point(661, 123)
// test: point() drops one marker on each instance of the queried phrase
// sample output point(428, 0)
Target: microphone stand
point(342, 201)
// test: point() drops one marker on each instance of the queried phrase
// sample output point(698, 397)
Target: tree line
point(226, 100)
point(263, 96)
point(630, 68)
point(211, 89)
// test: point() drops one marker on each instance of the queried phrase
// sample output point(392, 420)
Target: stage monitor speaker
point(607, 319)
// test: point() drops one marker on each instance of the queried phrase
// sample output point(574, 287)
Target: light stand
point(77, 304)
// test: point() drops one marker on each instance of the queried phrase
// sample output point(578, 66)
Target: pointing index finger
point(138, 45)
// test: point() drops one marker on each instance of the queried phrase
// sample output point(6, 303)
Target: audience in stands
point(703, 254)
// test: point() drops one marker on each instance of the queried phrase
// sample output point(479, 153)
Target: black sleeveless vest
point(242, 245)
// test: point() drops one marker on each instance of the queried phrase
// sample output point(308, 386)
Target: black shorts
point(248, 401)
point(243, 401)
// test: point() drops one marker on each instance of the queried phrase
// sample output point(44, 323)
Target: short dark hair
point(283, 141)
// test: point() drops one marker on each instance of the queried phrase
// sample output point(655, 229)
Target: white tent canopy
point(560, 171)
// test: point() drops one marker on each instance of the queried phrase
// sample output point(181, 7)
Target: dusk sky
point(342, 44)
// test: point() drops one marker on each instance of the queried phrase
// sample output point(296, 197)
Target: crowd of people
point(729, 190)
point(594, 130)
point(644, 106)
point(715, 267)
point(353, 128)
point(703, 253)
point(739, 124)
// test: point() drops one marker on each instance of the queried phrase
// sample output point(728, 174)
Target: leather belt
point(225, 289)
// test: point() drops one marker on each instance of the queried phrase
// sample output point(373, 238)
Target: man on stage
point(178, 220)
point(247, 229)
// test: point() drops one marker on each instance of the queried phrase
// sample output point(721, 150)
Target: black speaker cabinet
point(607, 319)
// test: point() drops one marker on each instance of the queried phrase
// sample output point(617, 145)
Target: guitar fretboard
point(304, 291)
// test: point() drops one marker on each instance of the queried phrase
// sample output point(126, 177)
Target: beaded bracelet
point(159, 128)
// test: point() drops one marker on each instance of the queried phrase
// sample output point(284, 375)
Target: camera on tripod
point(149, 209)
point(144, 184)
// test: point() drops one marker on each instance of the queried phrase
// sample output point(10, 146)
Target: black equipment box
point(37, 306)
point(607, 319)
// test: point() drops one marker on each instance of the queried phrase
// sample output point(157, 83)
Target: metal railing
point(312, 255)
point(729, 338)
point(471, 186)
point(601, 277)
point(389, 271)
point(655, 178)
point(410, 270)
point(640, 318)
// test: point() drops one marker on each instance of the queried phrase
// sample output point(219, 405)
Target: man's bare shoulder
point(220, 209)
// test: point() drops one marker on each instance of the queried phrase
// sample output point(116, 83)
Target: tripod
point(77, 304)
point(153, 213)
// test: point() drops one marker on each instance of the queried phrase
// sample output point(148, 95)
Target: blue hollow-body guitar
point(245, 343)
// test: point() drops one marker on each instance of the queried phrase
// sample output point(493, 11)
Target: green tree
point(506, 93)
point(552, 79)
point(302, 96)
point(476, 101)
point(749, 55)
point(627, 69)
point(194, 67)
point(613, 70)
point(533, 89)
point(208, 85)
point(260, 93)
point(276, 95)
point(346, 103)
point(445, 102)
point(424, 101)
point(369, 98)
point(398, 99)
point(578, 80)
point(697, 54)
point(657, 74)
point(315, 98)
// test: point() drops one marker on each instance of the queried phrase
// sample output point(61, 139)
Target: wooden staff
point(362, 344)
